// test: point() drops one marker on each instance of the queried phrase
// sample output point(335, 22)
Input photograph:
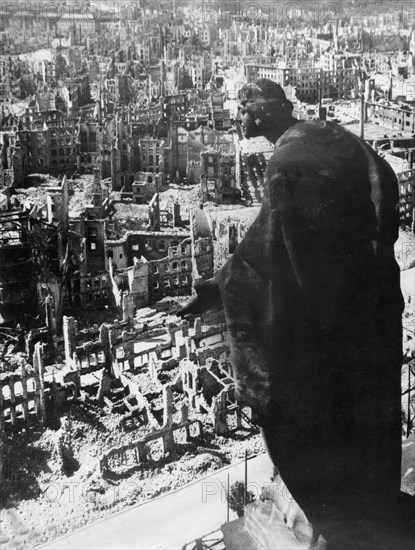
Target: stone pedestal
point(267, 526)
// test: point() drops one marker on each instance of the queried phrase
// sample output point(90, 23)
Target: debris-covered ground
point(405, 249)
point(41, 503)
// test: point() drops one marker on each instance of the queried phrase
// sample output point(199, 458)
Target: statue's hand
point(207, 296)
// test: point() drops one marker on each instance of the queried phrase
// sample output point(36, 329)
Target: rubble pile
point(188, 196)
point(405, 249)
point(132, 401)
point(81, 190)
point(83, 495)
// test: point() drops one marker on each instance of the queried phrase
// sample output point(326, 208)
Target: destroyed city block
point(125, 182)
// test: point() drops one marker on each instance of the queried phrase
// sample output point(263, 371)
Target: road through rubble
point(172, 520)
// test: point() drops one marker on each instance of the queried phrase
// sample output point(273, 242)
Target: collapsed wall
point(146, 361)
point(22, 395)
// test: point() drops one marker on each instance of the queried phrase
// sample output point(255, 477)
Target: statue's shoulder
point(317, 132)
point(310, 140)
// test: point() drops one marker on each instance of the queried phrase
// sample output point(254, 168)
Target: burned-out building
point(17, 275)
point(218, 174)
point(175, 106)
point(171, 260)
point(15, 157)
point(22, 395)
point(42, 149)
point(406, 182)
point(152, 155)
point(32, 269)
point(221, 119)
point(193, 171)
point(145, 185)
point(88, 289)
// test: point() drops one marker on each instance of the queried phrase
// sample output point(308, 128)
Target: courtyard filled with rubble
point(84, 464)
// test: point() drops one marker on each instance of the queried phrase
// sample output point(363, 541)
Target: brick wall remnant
point(104, 387)
point(22, 399)
point(137, 451)
point(69, 335)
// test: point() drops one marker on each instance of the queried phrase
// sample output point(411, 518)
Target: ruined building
point(218, 176)
point(157, 264)
point(17, 283)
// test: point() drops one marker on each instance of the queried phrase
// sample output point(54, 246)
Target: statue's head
point(263, 108)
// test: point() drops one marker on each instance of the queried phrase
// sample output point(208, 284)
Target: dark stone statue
point(313, 306)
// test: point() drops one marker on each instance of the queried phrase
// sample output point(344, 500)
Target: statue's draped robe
point(313, 305)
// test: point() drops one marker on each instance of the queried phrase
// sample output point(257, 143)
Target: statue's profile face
point(250, 124)
point(264, 110)
point(257, 102)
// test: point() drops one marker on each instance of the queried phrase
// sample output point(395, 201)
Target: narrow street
point(172, 520)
